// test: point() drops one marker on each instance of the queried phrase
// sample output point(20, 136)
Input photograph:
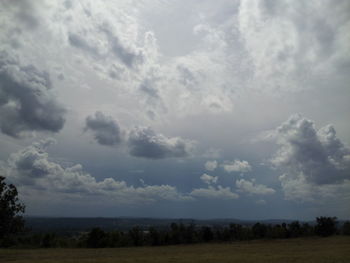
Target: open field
point(332, 249)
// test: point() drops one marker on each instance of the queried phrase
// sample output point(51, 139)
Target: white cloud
point(237, 166)
point(316, 154)
point(208, 179)
point(212, 192)
point(31, 168)
point(251, 187)
point(211, 165)
point(315, 163)
point(291, 43)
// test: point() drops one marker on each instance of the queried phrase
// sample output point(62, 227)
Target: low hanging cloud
point(211, 165)
point(208, 179)
point(31, 168)
point(237, 166)
point(212, 192)
point(26, 100)
point(313, 162)
point(144, 142)
point(251, 187)
point(105, 129)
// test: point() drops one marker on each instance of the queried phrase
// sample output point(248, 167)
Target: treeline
point(181, 234)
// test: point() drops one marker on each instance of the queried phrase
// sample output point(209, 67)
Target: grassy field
point(332, 249)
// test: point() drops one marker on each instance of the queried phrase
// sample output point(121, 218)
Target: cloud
point(261, 202)
point(144, 142)
point(291, 43)
point(32, 168)
point(211, 165)
point(79, 42)
point(208, 179)
point(251, 187)
point(26, 100)
point(105, 129)
point(237, 166)
point(24, 12)
point(128, 56)
point(212, 192)
point(316, 154)
point(314, 163)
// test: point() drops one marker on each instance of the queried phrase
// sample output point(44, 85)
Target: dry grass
point(333, 249)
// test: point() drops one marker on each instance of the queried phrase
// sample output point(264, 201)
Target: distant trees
point(326, 226)
point(179, 233)
point(11, 208)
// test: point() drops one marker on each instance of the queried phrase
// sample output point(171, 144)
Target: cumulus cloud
point(237, 166)
point(251, 187)
point(316, 154)
point(105, 129)
point(32, 168)
point(26, 100)
point(208, 179)
point(290, 43)
point(144, 142)
point(211, 165)
point(312, 161)
point(212, 192)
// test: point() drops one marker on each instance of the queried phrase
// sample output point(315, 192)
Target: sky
point(177, 109)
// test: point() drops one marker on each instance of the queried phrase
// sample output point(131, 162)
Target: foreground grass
point(332, 249)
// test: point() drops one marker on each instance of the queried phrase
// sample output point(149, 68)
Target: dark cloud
point(105, 129)
point(316, 155)
point(144, 142)
point(26, 103)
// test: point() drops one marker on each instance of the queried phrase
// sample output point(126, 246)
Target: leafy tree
point(259, 230)
point(236, 231)
point(206, 234)
point(136, 235)
point(294, 229)
point(96, 238)
point(154, 236)
point(346, 228)
point(326, 226)
point(11, 208)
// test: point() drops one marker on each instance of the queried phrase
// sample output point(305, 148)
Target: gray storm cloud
point(315, 163)
point(144, 142)
point(26, 101)
point(316, 154)
point(105, 129)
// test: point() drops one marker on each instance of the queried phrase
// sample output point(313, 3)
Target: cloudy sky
point(159, 108)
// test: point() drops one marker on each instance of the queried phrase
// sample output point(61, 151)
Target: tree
point(96, 238)
point(136, 235)
point(206, 234)
point(259, 230)
point(346, 228)
point(326, 226)
point(294, 229)
point(11, 221)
